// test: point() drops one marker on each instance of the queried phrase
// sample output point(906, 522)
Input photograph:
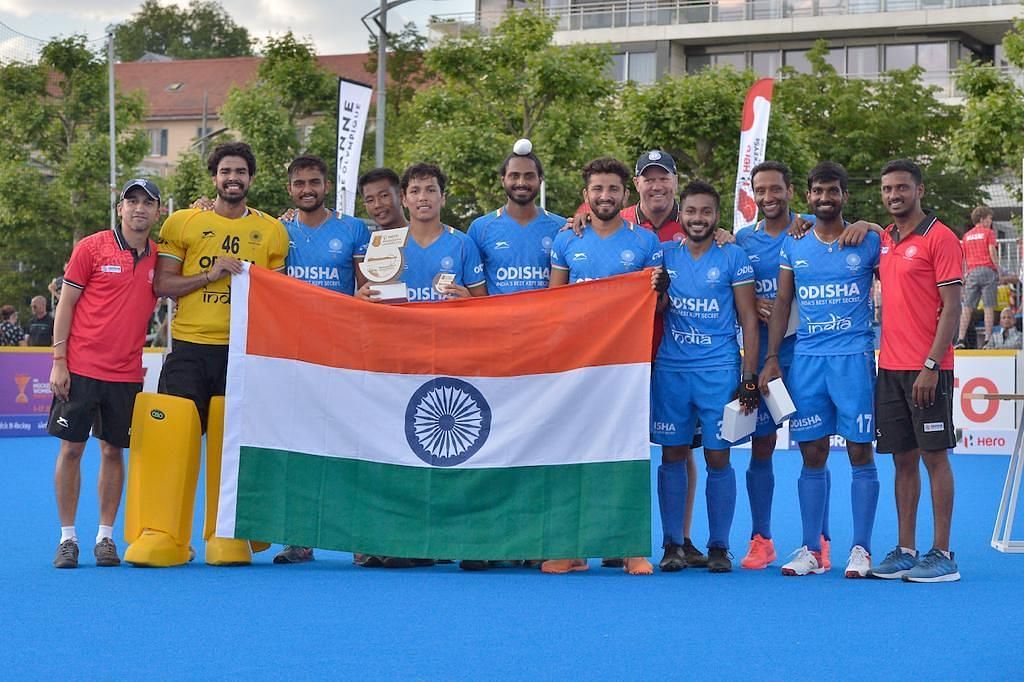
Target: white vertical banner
point(753, 139)
point(353, 111)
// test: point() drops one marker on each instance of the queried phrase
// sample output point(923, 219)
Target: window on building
point(643, 67)
point(617, 68)
point(862, 61)
point(899, 57)
point(766, 63)
point(696, 62)
point(798, 60)
point(158, 141)
point(736, 60)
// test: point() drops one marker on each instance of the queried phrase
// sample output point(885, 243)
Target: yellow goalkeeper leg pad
point(155, 548)
point(163, 469)
point(228, 552)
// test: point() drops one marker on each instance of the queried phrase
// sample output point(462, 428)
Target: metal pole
point(113, 130)
point(202, 139)
point(382, 57)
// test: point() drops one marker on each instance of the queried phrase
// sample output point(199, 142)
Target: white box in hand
point(735, 425)
point(778, 401)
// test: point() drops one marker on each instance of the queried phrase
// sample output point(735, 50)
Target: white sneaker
point(859, 563)
point(802, 563)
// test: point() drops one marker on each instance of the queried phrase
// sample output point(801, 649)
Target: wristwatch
point(930, 364)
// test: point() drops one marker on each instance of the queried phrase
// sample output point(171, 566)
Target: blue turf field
point(331, 619)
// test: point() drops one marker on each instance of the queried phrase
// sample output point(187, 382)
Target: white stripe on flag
point(360, 415)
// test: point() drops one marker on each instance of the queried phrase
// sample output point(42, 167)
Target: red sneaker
point(760, 554)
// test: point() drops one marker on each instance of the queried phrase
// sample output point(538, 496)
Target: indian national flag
point(505, 427)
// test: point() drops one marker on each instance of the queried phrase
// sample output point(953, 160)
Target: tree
point(862, 124)
point(406, 67)
point(272, 115)
point(496, 88)
point(54, 160)
point(203, 29)
point(696, 118)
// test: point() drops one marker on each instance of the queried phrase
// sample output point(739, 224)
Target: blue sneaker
point(934, 567)
point(896, 564)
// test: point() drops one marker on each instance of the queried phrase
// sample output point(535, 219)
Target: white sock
point(68, 533)
point(907, 550)
point(945, 553)
point(105, 532)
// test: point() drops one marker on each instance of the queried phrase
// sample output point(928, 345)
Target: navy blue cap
point(148, 187)
point(655, 158)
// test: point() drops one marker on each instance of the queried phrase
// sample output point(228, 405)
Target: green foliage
point(492, 90)
point(54, 172)
point(406, 67)
point(862, 124)
point(203, 29)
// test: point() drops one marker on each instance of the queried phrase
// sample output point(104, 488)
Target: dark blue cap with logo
point(148, 187)
point(655, 158)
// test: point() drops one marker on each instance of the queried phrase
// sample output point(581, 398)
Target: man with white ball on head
point(515, 240)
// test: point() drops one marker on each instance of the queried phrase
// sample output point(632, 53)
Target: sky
point(333, 25)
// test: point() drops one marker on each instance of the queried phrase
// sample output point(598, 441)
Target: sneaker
point(826, 553)
point(859, 563)
point(293, 554)
point(934, 567)
point(563, 565)
point(674, 559)
point(804, 562)
point(532, 563)
point(395, 562)
point(105, 552)
point(719, 560)
point(474, 565)
point(368, 560)
point(895, 565)
point(420, 563)
point(612, 563)
point(67, 555)
point(760, 554)
point(960, 345)
point(694, 557)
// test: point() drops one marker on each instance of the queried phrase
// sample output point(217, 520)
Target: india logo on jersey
point(853, 262)
point(714, 275)
point(627, 257)
point(334, 246)
point(447, 263)
point(545, 244)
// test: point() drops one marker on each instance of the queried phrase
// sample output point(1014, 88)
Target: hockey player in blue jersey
point(324, 247)
point(698, 369)
point(833, 371)
point(515, 240)
point(608, 246)
point(433, 248)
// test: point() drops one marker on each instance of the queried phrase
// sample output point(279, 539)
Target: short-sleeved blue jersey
point(452, 253)
point(763, 251)
point(323, 255)
point(516, 257)
point(833, 292)
point(589, 256)
point(700, 320)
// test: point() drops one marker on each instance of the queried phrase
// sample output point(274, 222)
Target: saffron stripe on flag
point(507, 335)
point(547, 512)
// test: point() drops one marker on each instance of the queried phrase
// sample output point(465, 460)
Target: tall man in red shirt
point(98, 334)
point(921, 272)
point(982, 280)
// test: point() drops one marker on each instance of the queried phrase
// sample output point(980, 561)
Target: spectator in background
point(982, 273)
point(11, 333)
point(1006, 335)
point(40, 327)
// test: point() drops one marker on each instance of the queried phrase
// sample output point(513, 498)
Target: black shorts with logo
point(900, 425)
point(197, 371)
point(104, 407)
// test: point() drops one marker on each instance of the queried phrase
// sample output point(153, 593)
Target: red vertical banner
point(753, 140)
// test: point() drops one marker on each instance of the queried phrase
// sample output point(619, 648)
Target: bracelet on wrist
point(60, 357)
point(57, 343)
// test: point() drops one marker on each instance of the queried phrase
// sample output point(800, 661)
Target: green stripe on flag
point(538, 512)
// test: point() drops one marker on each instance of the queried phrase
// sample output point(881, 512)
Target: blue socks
point(760, 488)
point(864, 496)
point(812, 487)
point(672, 481)
point(828, 503)
point(721, 497)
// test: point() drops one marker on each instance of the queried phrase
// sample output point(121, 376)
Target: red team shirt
point(977, 241)
point(111, 318)
point(670, 230)
point(912, 271)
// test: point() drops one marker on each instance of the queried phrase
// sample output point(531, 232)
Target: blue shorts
point(680, 399)
point(765, 424)
point(833, 394)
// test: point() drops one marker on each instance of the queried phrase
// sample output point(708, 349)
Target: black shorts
point(105, 407)
point(196, 371)
point(900, 426)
